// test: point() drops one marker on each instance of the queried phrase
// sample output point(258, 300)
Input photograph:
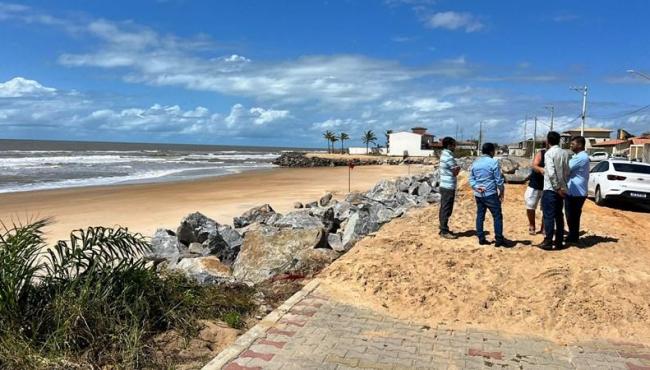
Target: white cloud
point(267, 115)
point(454, 21)
point(21, 87)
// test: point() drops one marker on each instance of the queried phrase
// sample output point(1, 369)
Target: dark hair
point(447, 142)
point(580, 140)
point(488, 148)
point(553, 138)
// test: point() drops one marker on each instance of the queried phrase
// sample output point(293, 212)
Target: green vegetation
point(368, 137)
point(92, 301)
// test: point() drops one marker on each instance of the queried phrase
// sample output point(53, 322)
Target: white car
point(620, 179)
point(599, 156)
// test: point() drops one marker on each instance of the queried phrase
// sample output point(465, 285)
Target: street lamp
point(639, 73)
point(582, 90)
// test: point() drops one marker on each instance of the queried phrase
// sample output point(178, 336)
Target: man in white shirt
point(556, 174)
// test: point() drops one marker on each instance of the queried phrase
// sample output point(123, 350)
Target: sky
point(280, 73)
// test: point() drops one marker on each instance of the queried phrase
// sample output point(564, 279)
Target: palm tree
point(328, 135)
point(368, 137)
point(343, 136)
point(387, 134)
point(334, 139)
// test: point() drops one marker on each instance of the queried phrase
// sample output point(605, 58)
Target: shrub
point(93, 300)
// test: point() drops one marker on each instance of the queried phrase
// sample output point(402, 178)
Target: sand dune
point(602, 291)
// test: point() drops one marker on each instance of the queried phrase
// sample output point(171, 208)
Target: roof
point(592, 129)
point(609, 143)
point(640, 140)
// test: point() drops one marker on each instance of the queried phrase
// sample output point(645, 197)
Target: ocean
point(27, 165)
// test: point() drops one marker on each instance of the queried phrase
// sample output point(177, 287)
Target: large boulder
point(520, 176)
point(219, 240)
point(423, 189)
point(325, 200)
point(268, 251)
point(194, 227)
point(164, 244)
point(260, 214)
point(363, 222)
point(342, 210)
point(508, 166)
point(205, 270)
point(384, 190)
point(303, 219)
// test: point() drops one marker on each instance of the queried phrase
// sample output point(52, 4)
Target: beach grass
point(92, 301)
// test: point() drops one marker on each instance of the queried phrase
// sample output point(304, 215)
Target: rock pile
point(300, 159)
point(515, 170)
point(264, 243)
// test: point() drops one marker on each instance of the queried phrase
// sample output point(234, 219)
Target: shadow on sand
point(593, 240)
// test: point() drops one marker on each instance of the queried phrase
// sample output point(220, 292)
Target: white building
point(413, 144)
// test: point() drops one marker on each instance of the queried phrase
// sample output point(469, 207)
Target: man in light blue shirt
point(488, 184)
point(577, 185)
point(448, 171)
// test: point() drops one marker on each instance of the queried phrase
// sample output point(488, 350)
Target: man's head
point(489, 149)
point(449, 143)
point(578, 144)
point(553, 138)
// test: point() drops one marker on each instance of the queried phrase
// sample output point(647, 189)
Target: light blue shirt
point(446, 170)
point(578, 174)
point(486, 173)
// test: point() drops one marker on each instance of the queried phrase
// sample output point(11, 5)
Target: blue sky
point(282, 72)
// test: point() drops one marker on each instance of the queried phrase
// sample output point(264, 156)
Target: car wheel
point(598, 198)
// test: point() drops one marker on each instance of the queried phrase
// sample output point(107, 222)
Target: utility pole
point(583, 90)
point(534, 138)
point(552, 109)
point(480, 136)
point(456, 137)
point(525, 142)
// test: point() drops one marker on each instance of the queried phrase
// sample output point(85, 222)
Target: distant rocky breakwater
point(263, 245)
point(304, 159)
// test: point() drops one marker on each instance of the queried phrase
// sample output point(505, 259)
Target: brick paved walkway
point(316, 332)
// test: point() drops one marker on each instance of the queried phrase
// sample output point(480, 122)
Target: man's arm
point(537, 161)
point(455, 169)
point(472, 178)
point(500, 181)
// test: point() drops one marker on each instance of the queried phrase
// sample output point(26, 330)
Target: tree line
point(367, 138)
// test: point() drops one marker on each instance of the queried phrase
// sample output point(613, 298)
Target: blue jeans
point(492, 203)
point(552, 205)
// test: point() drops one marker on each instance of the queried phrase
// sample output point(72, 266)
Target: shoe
point(484, 242)
point(546, 245)
point(560, 246)
point(504, 243)
point(448, 236)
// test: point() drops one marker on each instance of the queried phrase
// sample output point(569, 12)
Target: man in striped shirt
point(448, 170)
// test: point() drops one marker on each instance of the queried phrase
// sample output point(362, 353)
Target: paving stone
point(323, 334)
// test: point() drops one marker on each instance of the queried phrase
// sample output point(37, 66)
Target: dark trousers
point(573, 209)
point(493, 203)
point(552, 204)
point(447, 197)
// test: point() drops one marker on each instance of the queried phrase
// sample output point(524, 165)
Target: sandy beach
point(599, 291)
point(145, 207)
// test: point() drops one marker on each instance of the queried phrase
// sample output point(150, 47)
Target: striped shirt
point(446, 170)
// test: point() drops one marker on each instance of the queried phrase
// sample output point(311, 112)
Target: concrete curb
point(259, 330)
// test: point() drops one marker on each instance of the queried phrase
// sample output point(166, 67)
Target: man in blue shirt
point(488, 185)
point(448, 171)
point(577, 185)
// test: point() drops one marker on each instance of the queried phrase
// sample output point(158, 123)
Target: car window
point(605, 167)
point(599, 167)
point(632, 168)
